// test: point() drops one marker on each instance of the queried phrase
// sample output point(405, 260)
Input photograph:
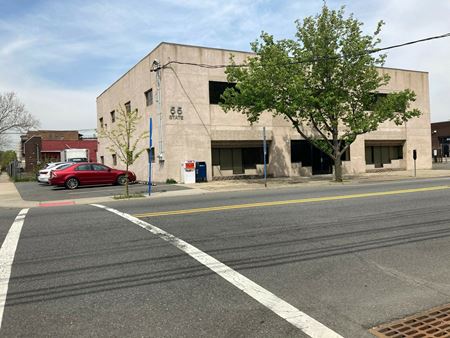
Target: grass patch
point(24, 178)
point(171, 181)
point(123, 197)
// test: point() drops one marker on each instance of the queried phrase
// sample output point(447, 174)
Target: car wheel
point(72, 183)
point(122, 180)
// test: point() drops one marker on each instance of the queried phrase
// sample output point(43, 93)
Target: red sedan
point(89, 174)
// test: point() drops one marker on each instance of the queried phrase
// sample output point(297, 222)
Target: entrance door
point(445, 149)
point(321, 162)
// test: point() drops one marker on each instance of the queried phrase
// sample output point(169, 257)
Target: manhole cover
point(428, 324)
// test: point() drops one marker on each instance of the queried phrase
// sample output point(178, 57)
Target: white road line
point(301, 320)
point(7, 252)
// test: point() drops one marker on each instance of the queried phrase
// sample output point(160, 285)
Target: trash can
point(200, 171)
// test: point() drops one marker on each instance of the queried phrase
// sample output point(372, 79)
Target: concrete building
point(191, 125)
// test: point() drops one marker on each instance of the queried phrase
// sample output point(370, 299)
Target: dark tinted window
point(216, 89)
point(83, 167)
point(151, 154)
point(128, 106)
point(230, 158)
point(149, 97)
point(78, 159)
point(374, 99)
point(63, 166)
point(301, 152)
point(99, 167)
point(253, 156)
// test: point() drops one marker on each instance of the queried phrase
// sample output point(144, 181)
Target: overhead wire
point(208, 66)
point(310, 60)
point(190, 99)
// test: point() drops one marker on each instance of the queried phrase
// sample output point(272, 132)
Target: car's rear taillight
point(52, 174)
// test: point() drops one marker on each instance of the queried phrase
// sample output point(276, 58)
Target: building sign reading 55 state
point(176, 113)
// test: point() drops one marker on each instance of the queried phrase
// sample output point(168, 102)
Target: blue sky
point(58, 56)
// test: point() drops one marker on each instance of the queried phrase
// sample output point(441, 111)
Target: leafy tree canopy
point(325, 82)
point(6, 157)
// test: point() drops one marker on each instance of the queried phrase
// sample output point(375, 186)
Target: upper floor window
point(113, 116)
point(101, 122)
point(374, 99)
point(114, 159)
point(216, 89)
point(149, 97)
point(128, 107)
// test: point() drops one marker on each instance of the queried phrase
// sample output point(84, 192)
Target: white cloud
point(60, 55)
point(412, 20)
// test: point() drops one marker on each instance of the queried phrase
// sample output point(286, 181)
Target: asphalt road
point(33, 191)
point(352, 258)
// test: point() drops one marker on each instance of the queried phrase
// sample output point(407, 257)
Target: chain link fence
point(16, 172)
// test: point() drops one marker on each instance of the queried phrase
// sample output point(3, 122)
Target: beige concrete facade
point(190, 126)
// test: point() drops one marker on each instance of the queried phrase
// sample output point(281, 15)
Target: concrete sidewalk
point(10, 197)
point(244, 184)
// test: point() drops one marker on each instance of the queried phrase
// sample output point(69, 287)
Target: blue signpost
point(150, 159)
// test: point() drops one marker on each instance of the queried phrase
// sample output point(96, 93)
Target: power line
point(311, 60)
point(446, 35)
point(190, 100)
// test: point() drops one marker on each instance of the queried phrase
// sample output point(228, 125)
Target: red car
point(89, 174)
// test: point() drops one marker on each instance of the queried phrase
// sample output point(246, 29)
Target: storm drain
point(428, 324)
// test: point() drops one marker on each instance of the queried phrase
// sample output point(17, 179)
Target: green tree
point(123, 139)
point(325, 82)
point(6, 157)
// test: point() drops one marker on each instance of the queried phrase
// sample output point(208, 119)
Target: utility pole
point(156, 67)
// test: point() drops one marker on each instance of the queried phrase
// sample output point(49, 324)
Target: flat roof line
point(214, 48)
point(171, 44)
point(405, 70)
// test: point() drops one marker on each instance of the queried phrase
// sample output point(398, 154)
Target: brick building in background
point(43, 146)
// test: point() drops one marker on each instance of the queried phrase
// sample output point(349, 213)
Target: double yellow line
point(287, 202)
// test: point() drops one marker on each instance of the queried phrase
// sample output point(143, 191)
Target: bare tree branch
point(123, 139)
point(13, 115)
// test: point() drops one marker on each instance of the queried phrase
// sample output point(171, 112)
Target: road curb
point(10, 197)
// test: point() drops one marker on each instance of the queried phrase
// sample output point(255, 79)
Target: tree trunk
point(338, 169)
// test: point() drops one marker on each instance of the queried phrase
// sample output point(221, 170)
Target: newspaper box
point(188, 171)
